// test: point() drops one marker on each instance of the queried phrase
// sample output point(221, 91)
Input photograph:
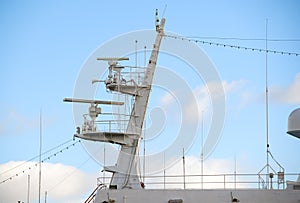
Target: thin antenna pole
point(144, 153)
point(183, 160)
point(28, 188)
point(145, 56)
point(104, 154)
point(136, 54)
point(202, 162)
point(136, 57)
point(145, 125)
point(234, 171)
point(164, 170)
point(46, 197)
point(40, 158)
point(267, 105)
point(163, 14)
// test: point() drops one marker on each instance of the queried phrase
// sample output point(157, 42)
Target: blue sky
point(45, 43)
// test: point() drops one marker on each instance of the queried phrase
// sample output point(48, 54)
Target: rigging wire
point(71, 173)
point(163, 14)
point(246, 39)
point(33, 158)
point(36, 164)
point(233, 46)
point(275, 160)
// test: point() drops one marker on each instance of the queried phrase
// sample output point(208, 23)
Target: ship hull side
point(196, 196)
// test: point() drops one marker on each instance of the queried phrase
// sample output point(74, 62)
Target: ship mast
point(125, 173)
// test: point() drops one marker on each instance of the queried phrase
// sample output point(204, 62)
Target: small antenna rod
point(46, 197)
point(136, 57)
point(145, 56)
point(144, 153)
point(267, 104)
point(104, 155)
point(234, 171)
point(28, 188)
point(202, 161)
point(183, 164)
point(163, 14)
point(40, 157)
point(164, 170)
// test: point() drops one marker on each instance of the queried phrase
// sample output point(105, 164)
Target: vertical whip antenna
point(202, 157)
point(40, 157)
point(183, 165)
point(28, 188)
point(136, 54)
point(165, 8)
point(267, 103)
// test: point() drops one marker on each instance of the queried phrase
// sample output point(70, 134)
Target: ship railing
point(130, 75)
point(112, 125)
point(92, 196)
point(213, 181)
point(134, 77)
point(118, 123)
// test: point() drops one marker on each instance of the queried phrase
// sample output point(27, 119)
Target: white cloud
point(233, 85)
point(247, 98)
point(289, 94)
point(195, 104)
point(63, 183)
point(67, 184)
point(167, 99)
point(214, 89)
point(204, 94)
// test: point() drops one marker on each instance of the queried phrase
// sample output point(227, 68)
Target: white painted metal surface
point(197, 196)
point(294, 123)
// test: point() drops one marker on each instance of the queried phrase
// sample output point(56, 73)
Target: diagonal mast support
point(125, 172)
